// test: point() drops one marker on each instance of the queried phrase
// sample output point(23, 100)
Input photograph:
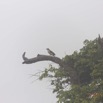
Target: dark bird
point(50, 52)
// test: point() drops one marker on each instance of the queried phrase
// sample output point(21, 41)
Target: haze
point(33, 26)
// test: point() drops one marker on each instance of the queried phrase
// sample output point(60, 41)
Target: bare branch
point(41, 58)
point(23, 56)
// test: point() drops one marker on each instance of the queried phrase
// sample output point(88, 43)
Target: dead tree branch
point(72, 73)
point(41, 58)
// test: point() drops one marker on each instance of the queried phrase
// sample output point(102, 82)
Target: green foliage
point(88, 63)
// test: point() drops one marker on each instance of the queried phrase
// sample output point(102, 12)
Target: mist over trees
point(79, 76)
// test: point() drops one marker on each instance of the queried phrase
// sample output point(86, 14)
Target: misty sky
point(33, 26)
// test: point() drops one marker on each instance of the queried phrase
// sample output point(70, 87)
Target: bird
point(50, 52)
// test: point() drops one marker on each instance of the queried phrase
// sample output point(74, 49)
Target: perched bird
point(50, 52)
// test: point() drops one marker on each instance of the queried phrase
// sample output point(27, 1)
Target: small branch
point(23, 56)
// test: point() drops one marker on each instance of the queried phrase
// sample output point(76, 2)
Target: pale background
point(33, 26)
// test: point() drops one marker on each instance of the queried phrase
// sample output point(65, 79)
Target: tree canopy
point(79, 76)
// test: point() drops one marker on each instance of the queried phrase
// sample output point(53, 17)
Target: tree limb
point(41, 58)
point(72, 73)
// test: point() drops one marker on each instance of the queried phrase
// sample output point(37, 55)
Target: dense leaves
point(88, 63)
